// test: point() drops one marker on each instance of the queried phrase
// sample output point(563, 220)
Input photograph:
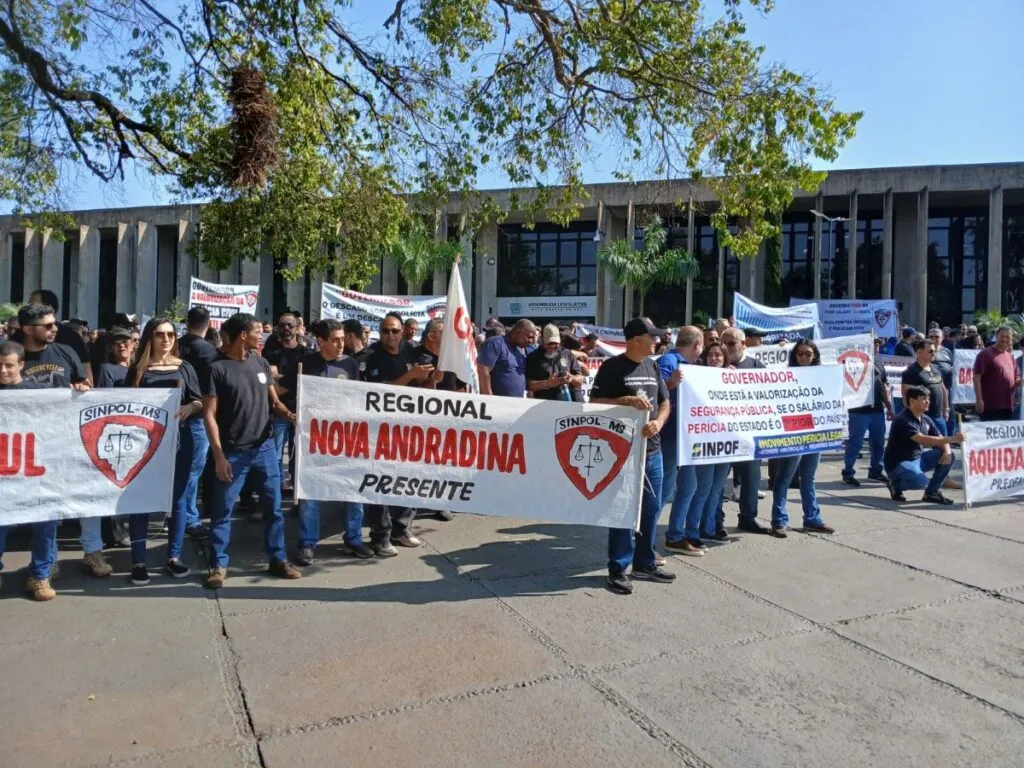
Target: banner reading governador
point(337, 303)
point(993, 460)
point(740, 415)
point(67, 454)
point(535, 459)
point(223, 300)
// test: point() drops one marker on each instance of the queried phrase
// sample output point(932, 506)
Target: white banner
point(846, 317)
point(894, 366)
point(535, 459)
point(337, 303)
point(740, 415)
point(458, 347)
point(777, 322)
point(854, 353)
point(547, 306)
point(66, 454)
point(223, 300)
point(593, 365)
point(963, 375)
point(993, 460)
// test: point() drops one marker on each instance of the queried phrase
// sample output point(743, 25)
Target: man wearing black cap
point(633, 379)
point(752, 337)
point(904, 348)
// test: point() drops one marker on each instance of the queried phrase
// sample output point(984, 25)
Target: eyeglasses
point(47, 326)
point(286, 325)
point(390, 331)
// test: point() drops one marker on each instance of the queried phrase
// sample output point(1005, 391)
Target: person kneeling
point(915, 448)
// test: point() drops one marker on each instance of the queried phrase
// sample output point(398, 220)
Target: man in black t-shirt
point(632, 379)
point(327, 362)
point(916, 447)
point(44, 535)
point(66, 335)
point(922, 373)
point(869, 418)
point(201, 354)
point(553, 373)
point(391, 525)
point(904, 348)
point(283, 356)
point(236, 409)
point(747, 472)
point(355, 344)
point(428, 353)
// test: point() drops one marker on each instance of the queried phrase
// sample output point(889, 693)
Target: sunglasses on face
point(390, 331)
point(47, 326)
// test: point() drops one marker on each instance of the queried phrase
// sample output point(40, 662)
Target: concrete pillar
point(439, 284)
point(186, 233)
point(389, 278)
point(905, 233)
point(487, 273)
point(88, 285)
point(630, 234)
point(851, 249)
point(819, 205)
point(294, 290)
point(887, 244)
point(466, 268)
point(690, 234)
point(995, 249)
point(316, 289)
point(52, 266)
point(6, 244)
point(265, 305)
point(124, 290)
point(33, 262)
point(615, 294)
point(146, 251)
point(720, 305)
point(919, 263)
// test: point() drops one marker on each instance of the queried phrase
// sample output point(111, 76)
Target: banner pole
point(297, 440)
point(964, 451)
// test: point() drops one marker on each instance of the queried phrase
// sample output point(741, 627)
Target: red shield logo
point(591, 450)
point(855, 364)
point(121, 438)
point(250, 299)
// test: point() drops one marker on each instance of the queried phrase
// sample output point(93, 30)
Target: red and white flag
point(458, 347)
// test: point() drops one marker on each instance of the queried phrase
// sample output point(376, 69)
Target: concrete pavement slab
point(242, 755)
point(554, 724)
point(1009, 525)
point(975, 644)
point(78, 702)
point(315, 663)
point(821, 581)
point(586, 620)
point(972, 558)
point(815, 700)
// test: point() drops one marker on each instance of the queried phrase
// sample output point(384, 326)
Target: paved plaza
point(899, 641)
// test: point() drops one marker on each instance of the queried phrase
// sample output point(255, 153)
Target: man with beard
point(387, 364)
point(282, 357)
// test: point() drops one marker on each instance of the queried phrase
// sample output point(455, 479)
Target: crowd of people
point(237, 416)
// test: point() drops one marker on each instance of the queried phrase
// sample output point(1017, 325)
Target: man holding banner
point(632, 379)
point(906, 461)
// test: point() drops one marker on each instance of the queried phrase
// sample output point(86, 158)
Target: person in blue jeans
point(915, 448)
point(707, 498)
point(236, 409)
point(804, 353)
point(329, 362)
point(632, 379)
point(680, 483)
point(869, 418)
point(196, 350)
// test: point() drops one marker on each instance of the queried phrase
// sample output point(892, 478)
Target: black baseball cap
point(117, 332)
point(638, 326)
point(753, 332)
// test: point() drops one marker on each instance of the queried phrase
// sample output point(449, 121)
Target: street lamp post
point(832, 244)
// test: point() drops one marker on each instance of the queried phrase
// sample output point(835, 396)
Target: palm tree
point(419, 255)
point(653, 265)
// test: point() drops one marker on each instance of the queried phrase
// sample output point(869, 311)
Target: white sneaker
point(384, 550)
point(407, 541)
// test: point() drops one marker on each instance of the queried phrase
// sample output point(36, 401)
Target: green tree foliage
point(318, 140)
point(418, 254)
point(773, 266)
point(653, 265)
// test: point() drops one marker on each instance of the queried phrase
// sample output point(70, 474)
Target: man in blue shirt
point(680, 480)
point(501, 363)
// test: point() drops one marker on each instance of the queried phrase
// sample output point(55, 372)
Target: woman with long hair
point(111, 373)
point(804, 352)
point(157, 365)
point(711, 477)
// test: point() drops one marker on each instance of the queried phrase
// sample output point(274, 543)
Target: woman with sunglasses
point(711, 477)
point(157, 365)
point(804, 352)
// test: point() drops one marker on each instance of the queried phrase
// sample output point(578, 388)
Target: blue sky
point(938, 81)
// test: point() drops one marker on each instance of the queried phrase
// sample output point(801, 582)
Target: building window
point(957, 255)
point(869, 257)
point(797, 259)
point(1013, 262)
point(548, 260)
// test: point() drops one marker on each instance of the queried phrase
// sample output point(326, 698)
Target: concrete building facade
point(944, 241)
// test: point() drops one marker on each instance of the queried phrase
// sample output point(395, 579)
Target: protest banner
point(337, 303)
point(847, 317)
point(536, 459)
point(963, 375)
point(458, 347)
point(854, 353)
point(993, 460)
point(614, 335)
point(593, 364)
point(894, 366)
point(67, 454)
point(740, 415)
point(777, 323)
point(223, 300)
